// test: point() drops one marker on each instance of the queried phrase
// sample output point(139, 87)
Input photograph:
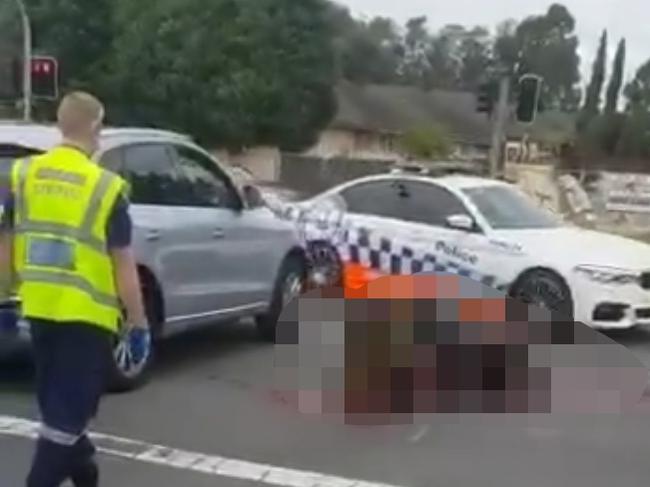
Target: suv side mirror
point(460, 222)
point(253, 196)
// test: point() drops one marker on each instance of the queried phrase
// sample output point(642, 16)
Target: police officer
point(66, 240)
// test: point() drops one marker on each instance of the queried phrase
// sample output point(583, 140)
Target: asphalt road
point(211, 395)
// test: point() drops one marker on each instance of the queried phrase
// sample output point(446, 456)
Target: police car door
point(428, 207)
point(371, 224)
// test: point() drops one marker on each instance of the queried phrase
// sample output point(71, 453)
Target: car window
point(205, 183)
point(150, 171)
point(113, 160)
point(430, 204)
point(377, 198)
point(507, 208)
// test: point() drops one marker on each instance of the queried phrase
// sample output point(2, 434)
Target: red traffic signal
point(45, 77)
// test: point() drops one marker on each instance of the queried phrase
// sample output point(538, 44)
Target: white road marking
point(419, 434)
point(217, 466)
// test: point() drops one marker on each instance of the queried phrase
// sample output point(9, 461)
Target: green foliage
point(545, 45)
point(427, 143)
point(250, 72)
point(616, 80)
point(79, 33)
point(602, 134)
point(638, 90)
point(594, 91)
point(634, 141)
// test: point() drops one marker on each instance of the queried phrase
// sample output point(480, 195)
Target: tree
point(594, 91)
point(79, 33)
point(616, 81)
point(415, 68)
point(474, 53)
point(251, 72)
point(366, 52)
point(545, 45)
point(458, 57)
point(427, 142)
point(638, 90)
point(634, 141)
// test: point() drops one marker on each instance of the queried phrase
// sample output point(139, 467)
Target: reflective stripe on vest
point(58, 273)
point(67, 279)
point(84, 233)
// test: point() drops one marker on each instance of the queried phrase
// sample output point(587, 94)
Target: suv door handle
point(218, 233)
point(153, 235)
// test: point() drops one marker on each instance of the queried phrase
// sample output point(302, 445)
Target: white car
point(491, 231)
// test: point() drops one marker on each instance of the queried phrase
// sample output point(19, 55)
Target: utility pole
point(499, 127)
point(27, 61)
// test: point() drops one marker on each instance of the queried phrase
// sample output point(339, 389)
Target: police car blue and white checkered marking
point(360, 245)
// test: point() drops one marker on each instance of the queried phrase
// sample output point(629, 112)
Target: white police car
point(491, 231)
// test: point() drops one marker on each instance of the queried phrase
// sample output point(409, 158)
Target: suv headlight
point(608, 275)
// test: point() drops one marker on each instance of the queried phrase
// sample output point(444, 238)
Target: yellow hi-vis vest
point(63, 202)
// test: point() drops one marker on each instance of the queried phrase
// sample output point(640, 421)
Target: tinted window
point(150, 171)
point(206, 185)
point(376, 198)
point(430, 204)
point(113, 160)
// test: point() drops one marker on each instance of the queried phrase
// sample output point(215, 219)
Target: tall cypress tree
point(616, 81)
point(592, 101)
point(591, 107)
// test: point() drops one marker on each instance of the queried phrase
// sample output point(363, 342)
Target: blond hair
point(79, 112)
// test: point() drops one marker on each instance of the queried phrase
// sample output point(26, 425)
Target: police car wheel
point(325, 266)
point(289, 285)
point(546, 290)
point(124, 377)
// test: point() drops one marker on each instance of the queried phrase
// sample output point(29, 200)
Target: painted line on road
point(135, 450)
point(421, 433)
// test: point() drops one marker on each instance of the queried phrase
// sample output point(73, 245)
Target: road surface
point(210, 404)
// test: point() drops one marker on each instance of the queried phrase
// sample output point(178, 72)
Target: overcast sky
point(622, 18)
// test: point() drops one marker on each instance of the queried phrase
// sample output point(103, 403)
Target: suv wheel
point(290, 284)
point(123, 376)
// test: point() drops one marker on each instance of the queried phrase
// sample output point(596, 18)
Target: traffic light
point(530, 90)
point(45, 77)
point(485, 98)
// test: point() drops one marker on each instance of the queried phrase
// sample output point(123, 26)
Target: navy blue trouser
point(72, 364)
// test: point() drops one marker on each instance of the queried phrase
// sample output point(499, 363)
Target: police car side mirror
point(464, 223)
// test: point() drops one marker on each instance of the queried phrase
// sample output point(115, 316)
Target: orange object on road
point(357, 276)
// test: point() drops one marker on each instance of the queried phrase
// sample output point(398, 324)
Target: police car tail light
point(608, 275)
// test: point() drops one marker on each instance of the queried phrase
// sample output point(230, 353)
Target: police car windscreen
point(505, 208)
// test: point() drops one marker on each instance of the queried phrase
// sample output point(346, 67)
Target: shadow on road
point(176, 355)
point(208, 345)
point(635, 336)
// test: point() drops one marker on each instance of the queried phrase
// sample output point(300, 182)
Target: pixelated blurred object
point(406, 347)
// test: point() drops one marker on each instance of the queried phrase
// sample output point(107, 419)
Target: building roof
point(396, 109)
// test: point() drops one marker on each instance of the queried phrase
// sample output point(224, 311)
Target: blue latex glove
point(139, 341)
